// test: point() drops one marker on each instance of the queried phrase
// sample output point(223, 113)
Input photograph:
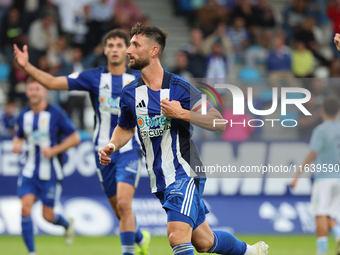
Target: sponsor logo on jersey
point(109, 104)
point(153, 127)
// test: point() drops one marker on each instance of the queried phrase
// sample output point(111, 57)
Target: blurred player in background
point(324, 157)
point(163, 107)
point(39, 124)
point(120, 178)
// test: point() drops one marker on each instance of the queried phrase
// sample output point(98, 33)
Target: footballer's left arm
point(173, 109)
point(17, 144)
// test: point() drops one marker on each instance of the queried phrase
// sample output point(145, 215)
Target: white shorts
point(325, 199)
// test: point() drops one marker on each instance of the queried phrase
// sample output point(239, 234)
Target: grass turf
point(53, 245)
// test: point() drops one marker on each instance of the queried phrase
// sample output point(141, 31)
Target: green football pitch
point(51, 245)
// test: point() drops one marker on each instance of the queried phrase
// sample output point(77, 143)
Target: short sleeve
point(189, 96)
point(317, 141)
point(81, 81)
point(19, 127)
point(125, 117)
point(64, 122)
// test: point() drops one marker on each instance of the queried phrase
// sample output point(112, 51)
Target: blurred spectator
point(219, 34)
point(127, 13)
point(42, 33)
point(263, 15)
point(11, 32)
point(293, 17)
point(5, 5)
point(307, 123)
point(235, 132)
point(101, 11)
point(302, 61)
point(334, 69)
point(17, 81)
point(258, 53)
point(71, 17)
point(8, 120)
point(279, 62)
point(181, 67)
point(334, 74)
point(209, 15)
point(333, 12)
point(239, 36)
point(217, 62)
point(194, 50)
point(318, 89)
point(62, 49)
point(146, 21)
point(306, 34)
point(244, 9)
point(187, 8)
point(30, 10)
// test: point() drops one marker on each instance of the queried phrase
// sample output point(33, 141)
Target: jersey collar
point(165, 82)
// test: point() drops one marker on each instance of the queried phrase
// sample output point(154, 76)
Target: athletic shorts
point(325, 199)
point(125, 169)
point(183, 202)
point(48, 191)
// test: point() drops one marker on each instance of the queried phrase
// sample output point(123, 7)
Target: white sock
point(251, 250)
point(141, 243)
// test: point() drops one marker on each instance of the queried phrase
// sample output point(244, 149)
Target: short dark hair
point(154, 33)
point(331, 106)
point(120, 33)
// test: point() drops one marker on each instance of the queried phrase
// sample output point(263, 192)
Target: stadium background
point(64, 36)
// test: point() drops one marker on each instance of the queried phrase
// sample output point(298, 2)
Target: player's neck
point(152, 75)
point(39, 107)
point(328, 118)
point(117, 70)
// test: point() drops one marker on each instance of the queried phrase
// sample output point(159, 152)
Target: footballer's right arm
point(47, 80)
point(17, 144)
point(120, 137)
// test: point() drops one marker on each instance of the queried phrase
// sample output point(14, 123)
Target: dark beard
point(139, 64)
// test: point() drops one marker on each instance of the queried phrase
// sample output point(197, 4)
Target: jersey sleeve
point(65, 124)
point(189, 96)
point(81, 81)
point(125, 117)
point(317, 140)
point(19, 129)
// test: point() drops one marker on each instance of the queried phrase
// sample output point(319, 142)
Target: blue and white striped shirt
point(40, 131)
point(105, 90)
point(166, 142)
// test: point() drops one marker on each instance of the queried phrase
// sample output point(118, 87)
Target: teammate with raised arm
point(162, 106)
point(120, 178)
point(39, 124)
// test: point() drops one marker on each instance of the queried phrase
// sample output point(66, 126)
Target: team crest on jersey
point(43, 122)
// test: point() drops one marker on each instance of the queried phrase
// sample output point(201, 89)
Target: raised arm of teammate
point(173, 109)
point(45, 79)
point(119, 138)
